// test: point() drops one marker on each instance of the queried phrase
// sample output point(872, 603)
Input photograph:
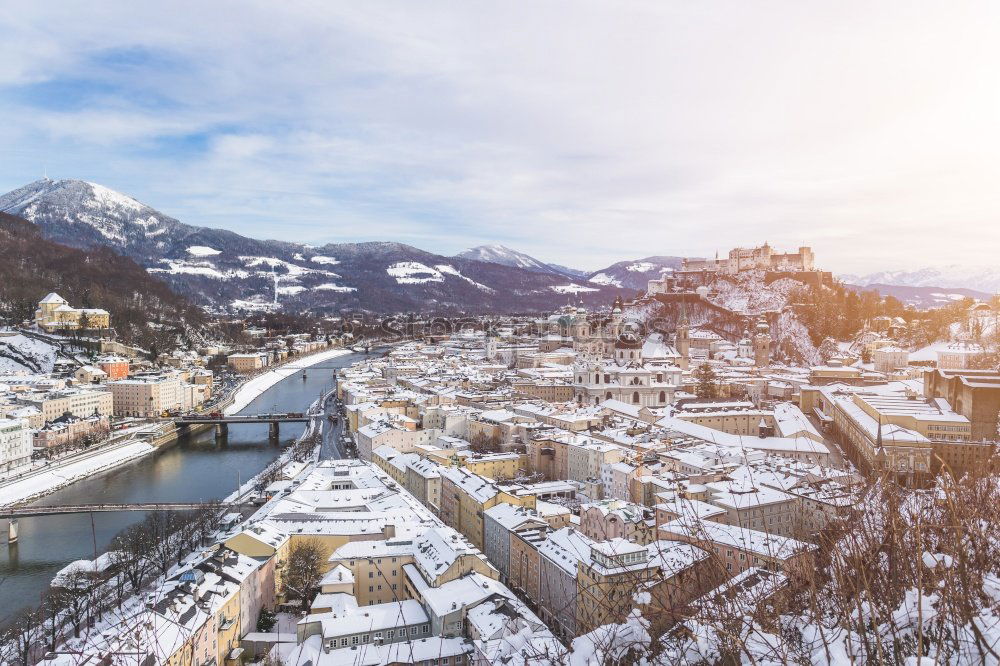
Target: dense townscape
point(632, 483)
point(485, 333)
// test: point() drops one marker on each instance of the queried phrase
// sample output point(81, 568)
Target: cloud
point(582, 132)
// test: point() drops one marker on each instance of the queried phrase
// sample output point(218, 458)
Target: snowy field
point(256, 386)
point(19, 353)
point(44, 483)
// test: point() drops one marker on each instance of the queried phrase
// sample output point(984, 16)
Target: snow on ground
point(293, 270)
point(45, 482)
point(451, 270)
point(791, 338)
point(110, 198)
point(19, 352)
point(748, 294)
point(253, 388)
point(202, 251)
point(177, 267)
point(606, 280)
point(291, 290)
point(413, 272)
point(326, 261)
point(571, 288)
point(329, 286)
point(640, 267)
point(254, 306)
point(287, 623)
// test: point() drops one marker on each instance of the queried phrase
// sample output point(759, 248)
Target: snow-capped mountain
point(505, 256)
point(224, 269)
point(922, 298)
point(636, 274)
point(979, 278)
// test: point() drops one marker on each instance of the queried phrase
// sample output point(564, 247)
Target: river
point(193, 469)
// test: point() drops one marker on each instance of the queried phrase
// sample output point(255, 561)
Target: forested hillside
point(144, 311)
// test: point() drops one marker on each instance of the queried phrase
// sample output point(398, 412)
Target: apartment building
point(148, 397)
point(81, 402)
point(248, 362)
point(499, 522)
point(15, 444)
point(560, 554)
point(423, 481)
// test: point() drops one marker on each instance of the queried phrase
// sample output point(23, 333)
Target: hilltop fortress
point(798, 266)
point(755, 258)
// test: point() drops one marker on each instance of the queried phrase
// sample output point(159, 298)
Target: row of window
point(390, 634)
point(371, 588)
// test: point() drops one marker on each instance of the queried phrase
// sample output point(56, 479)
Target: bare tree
point(131, 556)
point(75, 591)
point(304, 570)
point(24, 635)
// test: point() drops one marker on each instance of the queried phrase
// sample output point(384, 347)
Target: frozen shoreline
point(42, 484)
point(256, 386)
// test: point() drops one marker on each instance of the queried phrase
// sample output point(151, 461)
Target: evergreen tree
point(708, 382)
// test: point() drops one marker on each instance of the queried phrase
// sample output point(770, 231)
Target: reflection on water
point(194, 469)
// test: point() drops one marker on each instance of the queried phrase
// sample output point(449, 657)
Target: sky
point(581, 132)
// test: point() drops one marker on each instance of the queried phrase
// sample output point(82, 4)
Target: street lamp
point(239, 480)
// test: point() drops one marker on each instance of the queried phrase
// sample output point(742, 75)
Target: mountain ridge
point(225, 270)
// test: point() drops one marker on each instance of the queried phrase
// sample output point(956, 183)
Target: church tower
point(762, 345)
point(492, 343)
point(682, 340)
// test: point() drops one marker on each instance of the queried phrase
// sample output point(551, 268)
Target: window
point(413, 631)
point(393, 572)
point(424, 629)
point(635, 397)
point(343, 642)
point(364, 639)
point(371, 574)
point(371, 588)
point(354, 640)
point(390, 633)
point(378, 635)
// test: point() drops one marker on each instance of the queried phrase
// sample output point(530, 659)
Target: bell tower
point(762, 345)
point(682, 340)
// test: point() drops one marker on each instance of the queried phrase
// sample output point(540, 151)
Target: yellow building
point(465, 496)
point(496, 465)
point(247, 362)
point(227, 622)
point(54, 312)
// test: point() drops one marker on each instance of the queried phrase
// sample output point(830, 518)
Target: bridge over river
point(13, 513)
point(222, 422)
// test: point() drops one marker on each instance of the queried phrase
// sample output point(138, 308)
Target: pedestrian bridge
point(58, 510)
point(13, 513)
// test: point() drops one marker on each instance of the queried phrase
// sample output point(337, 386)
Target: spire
point(878, 438)
point(684, 314)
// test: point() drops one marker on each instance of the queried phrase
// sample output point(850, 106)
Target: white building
point(15, 444)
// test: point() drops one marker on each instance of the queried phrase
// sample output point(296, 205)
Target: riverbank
point(256, 386)
point(39, 485)
point(61, 474)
